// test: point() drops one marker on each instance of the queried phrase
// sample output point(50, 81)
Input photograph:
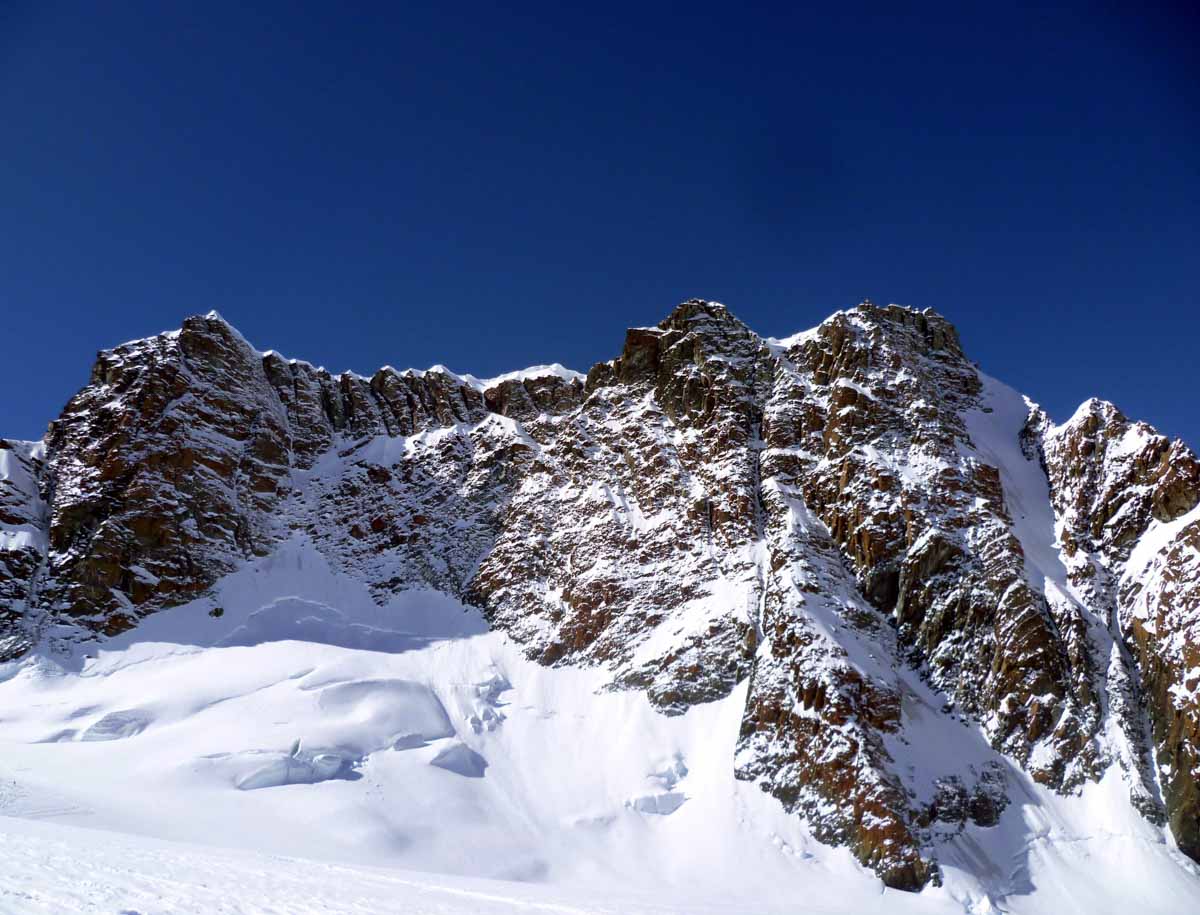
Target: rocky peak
point(703, 317)
point(936, 332)
point(162, 471)
point(1128, 503)
point(696, 329)
point(873, 537)
point(877, 484)
point(1117, 467)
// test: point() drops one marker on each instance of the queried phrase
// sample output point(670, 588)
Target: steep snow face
point(848, 542)
point(1100, 665)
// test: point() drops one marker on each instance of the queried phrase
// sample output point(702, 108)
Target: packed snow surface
point(270, 758)
point(52, 869)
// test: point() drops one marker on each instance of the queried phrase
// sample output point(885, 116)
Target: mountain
point(928, 602)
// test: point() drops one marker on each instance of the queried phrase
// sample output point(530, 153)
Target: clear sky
point(492, 187)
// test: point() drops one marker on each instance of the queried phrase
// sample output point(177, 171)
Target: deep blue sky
point(488, 188)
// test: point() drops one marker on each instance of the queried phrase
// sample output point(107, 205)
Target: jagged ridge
point(854, 518)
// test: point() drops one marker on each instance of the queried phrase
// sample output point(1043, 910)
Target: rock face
point(855, 522)
point(1127, 499)
point(23, 526)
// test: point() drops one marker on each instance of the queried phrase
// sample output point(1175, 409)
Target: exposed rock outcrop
point(854, 522)
point(23, 531)
point(1127, 502)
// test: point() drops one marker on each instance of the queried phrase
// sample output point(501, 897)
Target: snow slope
point(52, 869)
point(271, 731)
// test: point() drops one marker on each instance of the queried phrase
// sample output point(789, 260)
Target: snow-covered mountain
point(730, 621)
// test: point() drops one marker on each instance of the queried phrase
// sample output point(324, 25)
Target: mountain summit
point(928, 591)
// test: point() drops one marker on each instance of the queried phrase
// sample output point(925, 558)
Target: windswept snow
point(451, 755)
point(555, 369)
point(50, 869)
point(996, 435)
